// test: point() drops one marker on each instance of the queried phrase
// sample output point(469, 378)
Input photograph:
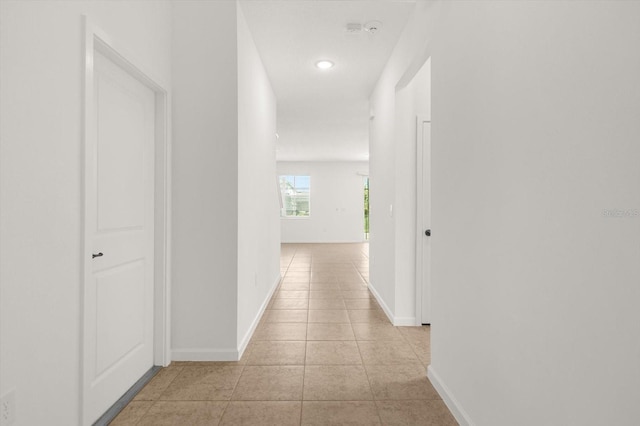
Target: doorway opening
point(423, 193)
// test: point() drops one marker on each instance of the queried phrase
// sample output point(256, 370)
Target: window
point(366, 208)
point(294, 191)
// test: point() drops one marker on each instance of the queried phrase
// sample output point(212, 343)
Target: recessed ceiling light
point(324, 64)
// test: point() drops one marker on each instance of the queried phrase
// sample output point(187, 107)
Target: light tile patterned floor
point(324, 353)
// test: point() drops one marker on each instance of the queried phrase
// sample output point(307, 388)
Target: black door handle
point(93, 256)
point(427, 232)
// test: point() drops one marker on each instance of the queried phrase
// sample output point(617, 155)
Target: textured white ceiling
point(324, 115)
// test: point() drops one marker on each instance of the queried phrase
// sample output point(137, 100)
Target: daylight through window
point(295, 194)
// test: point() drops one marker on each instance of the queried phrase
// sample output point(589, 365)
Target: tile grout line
point(306, 341)
point(247, 354)
point(145, 413)
point(366, 373)
point(235, 386)
point(158, 399)
point(304, 374)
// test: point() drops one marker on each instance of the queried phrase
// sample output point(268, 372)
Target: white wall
point(534, 134)
point(258, 205)
point(411, 101)
point(41, 78)
point(402, 92)
point(337, 203)
point(225, 208)
point(205, 180)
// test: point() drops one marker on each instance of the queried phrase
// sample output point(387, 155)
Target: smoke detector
point(373, 26)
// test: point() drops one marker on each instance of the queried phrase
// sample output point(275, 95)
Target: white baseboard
point(397, 321)
point(381, 302)
point(404, 321)
point(360, 241)
point(452, 403)
point(207, 354)
point(231, 354)
point(249, 334)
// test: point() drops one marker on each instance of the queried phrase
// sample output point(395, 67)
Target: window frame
point(283, 208)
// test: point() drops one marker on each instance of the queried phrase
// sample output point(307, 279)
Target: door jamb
point(97, 40)
point(414, 67)
point(420, 227)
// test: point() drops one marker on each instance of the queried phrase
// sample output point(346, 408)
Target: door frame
point(97, 40)
point(420, 227)
point(410, 72)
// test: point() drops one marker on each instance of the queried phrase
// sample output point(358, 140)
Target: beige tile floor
point(324, 353)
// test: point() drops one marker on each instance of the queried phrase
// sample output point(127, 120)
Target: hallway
point(324, 353)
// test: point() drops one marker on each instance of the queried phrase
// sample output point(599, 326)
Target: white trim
point(207, 354)
point(97, 40)
point(419, 60)
point(451, 402)
point(226, 354)
point(396, 321)
point(328, 242)
point(381, 302)
point(162, 217)
point(404, 321)
point(420, 227)
point(249, 334)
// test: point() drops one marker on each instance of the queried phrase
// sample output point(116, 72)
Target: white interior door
point(424, 219)
point(119, 232)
